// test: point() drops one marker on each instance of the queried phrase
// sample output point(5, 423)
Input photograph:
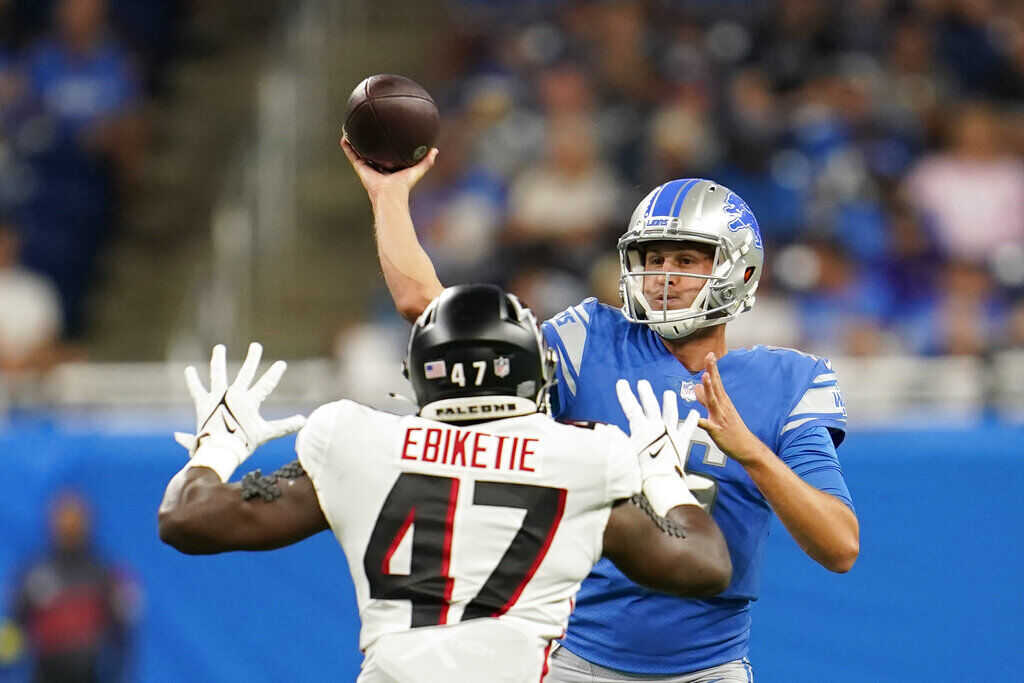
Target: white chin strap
point(478, 408)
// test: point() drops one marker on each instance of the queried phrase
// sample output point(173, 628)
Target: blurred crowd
point(74, 78)
point(880, 144)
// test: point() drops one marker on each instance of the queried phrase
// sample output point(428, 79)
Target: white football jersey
point(442, 525)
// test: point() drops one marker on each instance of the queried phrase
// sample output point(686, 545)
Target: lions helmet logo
point(742, 217)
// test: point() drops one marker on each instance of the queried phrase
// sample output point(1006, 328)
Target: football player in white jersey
point(468, 527)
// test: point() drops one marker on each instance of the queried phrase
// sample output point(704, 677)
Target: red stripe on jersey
point(540, 556)
point(446, 551)
point(544, 670)
point(385, 565)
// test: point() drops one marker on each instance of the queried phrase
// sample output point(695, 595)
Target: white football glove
point(661, 444)
point(228, 422)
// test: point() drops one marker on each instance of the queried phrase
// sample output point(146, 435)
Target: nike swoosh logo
point(654, 443)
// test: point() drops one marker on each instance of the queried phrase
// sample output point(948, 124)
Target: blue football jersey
point(789, 399)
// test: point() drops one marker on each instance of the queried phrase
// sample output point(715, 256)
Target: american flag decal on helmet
point(434, 369)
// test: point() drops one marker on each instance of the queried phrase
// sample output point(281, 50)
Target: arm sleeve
point(567, 333)
point(809, 451)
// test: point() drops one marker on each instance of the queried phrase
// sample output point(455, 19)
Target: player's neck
point(692, 350)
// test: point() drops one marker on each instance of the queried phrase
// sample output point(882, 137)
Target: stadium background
point(202, 198)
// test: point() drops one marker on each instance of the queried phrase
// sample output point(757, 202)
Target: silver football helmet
point(692, 210)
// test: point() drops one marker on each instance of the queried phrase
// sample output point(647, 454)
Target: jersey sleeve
point(311, 444)
point(810, 453)
point(818, 402)
point(567, 334)
point(623, 470)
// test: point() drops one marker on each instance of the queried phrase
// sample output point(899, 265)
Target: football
point(391, 122)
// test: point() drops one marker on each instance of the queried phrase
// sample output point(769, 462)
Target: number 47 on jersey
point(427, 504)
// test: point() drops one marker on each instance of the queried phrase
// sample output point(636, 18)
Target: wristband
point(667, 491)
point(219, 457)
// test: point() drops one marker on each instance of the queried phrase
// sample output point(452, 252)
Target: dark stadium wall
point(933, 592)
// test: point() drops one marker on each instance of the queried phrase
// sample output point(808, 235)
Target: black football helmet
point(476, 353)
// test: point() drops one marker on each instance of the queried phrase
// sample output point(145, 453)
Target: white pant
point(469, 652)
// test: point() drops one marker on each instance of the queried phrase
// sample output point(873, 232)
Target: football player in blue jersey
point(691, 258)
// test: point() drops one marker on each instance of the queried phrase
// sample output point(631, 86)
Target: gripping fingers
point(269, 380)
point(346, 147)
point(627, 400)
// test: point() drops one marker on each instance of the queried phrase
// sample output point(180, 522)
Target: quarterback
point(469, 527)
point(690, 257)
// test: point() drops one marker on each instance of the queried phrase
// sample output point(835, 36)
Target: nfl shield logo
point(501, 367)
point(686, 391)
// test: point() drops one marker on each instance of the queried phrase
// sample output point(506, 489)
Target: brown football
point(391, 122)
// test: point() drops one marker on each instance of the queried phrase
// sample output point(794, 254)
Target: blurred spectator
point(29, 311)
point(972, 194)
point(1015, 327)
point(458, 212)
point(568, 201)
point(75, 609)
point(603, 280)
point(546, 291)
point(151, 28)
point(913, 261)
point(682, 141)
point(967, 44)
point(846, 306)
point(7, 32)
point(915, 82)
point(966, 315)
point(85, 144)
point(88, 82)
point(370, 356)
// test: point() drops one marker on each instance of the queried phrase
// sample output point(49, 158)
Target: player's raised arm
point(664, 539)
point(408, 271)
point(200, 513)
